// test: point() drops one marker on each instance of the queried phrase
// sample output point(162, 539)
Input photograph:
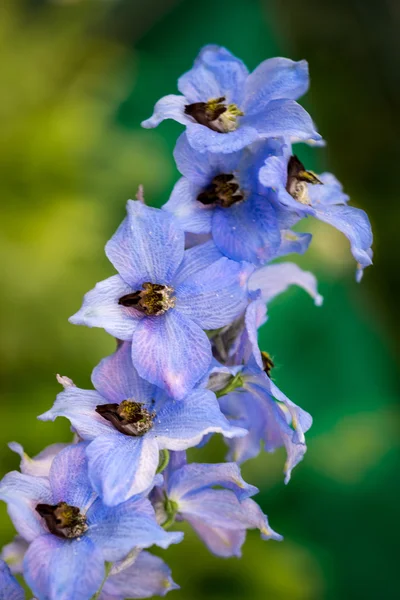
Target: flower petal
point(9, 586)
point(57, 569)
point(284, 118)
point(168, 107)
point(215, 73)
point(331, 192)
point(148, 576)
point(39, 465)
point(274, 79)
point(203, 139)
point(273, 280)
point(69, 477)
point(247, 231)
point(13, 554)
point(221, 542)
point(181, 425)
point(215, 296)
point(22, 493)
point(79, 407)
point(195, 260)
point(118, 529)
point(121, 466)
point(163, 349)
point(100, 308)
point(116, 379)
point(194, 477)
point(147, 246)
point(192, 215)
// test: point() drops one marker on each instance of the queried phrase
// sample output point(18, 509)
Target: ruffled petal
point(355, 225)
point(118, 529)
point(100, 308)
point(23, 493)
point(215, 296)
point(9, 586)
point(116, 379)
point(79, 407)
point(164, 349)
point(284, 118)
point(273, 280)
point(331, 192)
point(192, 215)
point(69, 477)
point(181, 425)
point(203, 139)
point(221, 542)
point(39, 465)
point(274, 79)
point(247, 231)
point(200, 168)
point(121, 466)
point(148, 576)
point(57, 569)
point(169, 107)
point(147, 246)
point(215, 73)
point(194, 477)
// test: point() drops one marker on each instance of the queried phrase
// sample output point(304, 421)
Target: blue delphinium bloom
point(220, 517)
point(306, 194)
point(221, 194)
point(10, 589)
point(130, 421)
point(225, 108)
point(161, 301)
point(71, 532)
point(148, 576)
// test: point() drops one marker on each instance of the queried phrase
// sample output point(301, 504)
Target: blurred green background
point(77, 78)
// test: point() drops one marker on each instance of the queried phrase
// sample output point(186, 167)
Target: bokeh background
point(77, 77)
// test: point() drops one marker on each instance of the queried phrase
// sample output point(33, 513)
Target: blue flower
point(220, 517)
point(148, 576)
point(9, 586)
point(258, 405)
point(40, 464)
point(221, 194)
point(71, 532)
point(305, 194)
point(225, 108)
point(130, 421)
point(163, 298)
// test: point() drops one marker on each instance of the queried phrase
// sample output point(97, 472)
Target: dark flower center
point(63, 520)
point(154, 299)
point(129, 417)
point(223, 191)
point(215, 114)
point(297, 180)
point(268, 363)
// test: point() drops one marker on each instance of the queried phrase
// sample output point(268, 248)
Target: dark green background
point(77, 79)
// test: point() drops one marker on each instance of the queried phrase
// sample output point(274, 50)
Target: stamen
point(153, 300)
point(268, 363)
point(223, 191)
point(130, 417)
point(63, 520)
point(297, 180)
point(215, 114)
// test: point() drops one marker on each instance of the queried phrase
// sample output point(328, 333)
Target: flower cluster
point(193, 283)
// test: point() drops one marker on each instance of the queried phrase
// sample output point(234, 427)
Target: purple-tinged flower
point(258, 405)
point(129, 421)
point(39, 465)
point(304, 193)
point(71, 532)
point(163, 298)
point(224, 108)
point(220, 517)
point(10, 589)
point(148, 576)
point(221, 194)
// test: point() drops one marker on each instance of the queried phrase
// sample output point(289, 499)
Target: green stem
point(106, 574)
point(231, 386)
point(163, 460)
